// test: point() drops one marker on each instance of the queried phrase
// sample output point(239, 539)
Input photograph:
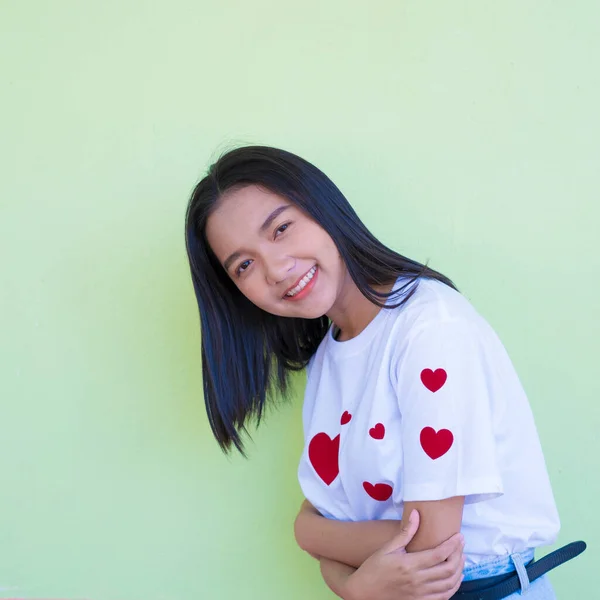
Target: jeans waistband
point(497, 565)
point(497, 587)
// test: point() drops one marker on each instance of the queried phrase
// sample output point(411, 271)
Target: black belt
point(501, 586)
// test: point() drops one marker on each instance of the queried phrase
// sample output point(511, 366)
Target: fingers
point(446, 584)
point(455, 587)
point(453, 565)
point(448, 589)
point(447, 579)
point(439, 554)
point(399, 542)
point(443, 588)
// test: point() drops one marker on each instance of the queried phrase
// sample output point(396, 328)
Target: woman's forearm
point(335, 575)
point(350, 543)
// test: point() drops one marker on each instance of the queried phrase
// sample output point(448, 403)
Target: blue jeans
point(540, 589)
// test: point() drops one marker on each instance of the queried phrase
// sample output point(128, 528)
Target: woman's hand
point(391, 573)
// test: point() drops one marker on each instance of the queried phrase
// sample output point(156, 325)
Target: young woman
point(415, 422)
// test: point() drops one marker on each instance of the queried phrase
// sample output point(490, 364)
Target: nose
point(277, 268)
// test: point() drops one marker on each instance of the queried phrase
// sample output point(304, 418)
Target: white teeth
point(302, 283)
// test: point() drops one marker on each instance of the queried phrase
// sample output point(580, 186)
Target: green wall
point(464, 133)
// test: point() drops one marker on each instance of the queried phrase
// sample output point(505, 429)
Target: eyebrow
point(262, 229)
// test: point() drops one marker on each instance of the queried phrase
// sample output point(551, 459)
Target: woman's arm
point(352, 543)
point(392, 573)
point(440, 519)
point(335, 574)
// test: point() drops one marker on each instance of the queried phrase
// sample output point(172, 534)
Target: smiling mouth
point(301, 284)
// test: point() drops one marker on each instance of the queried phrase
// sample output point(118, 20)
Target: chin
point(312, 312)
point(311, 315)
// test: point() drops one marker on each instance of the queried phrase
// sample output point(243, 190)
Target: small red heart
point(323, 455)
point(377, 432)
point(436, 444)
point(433, 380)
point(379, 491)
point(345, 418)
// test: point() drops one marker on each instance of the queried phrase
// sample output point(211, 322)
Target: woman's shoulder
point(438, 320)
point(440, 315)
point(435, 303)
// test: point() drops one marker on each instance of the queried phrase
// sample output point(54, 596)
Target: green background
point(464, 133)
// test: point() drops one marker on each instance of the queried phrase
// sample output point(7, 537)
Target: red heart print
point(433, 380)
point(323, 455)
point(345, 418)
point(436, 444)
point(379, 491)
point(377, 432)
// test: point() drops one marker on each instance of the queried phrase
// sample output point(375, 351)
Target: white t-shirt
point(425, 404)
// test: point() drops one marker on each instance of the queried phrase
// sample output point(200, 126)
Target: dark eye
point(242, 268)
point(282, 228)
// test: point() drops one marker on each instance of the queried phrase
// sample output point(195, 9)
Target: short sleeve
point(445, 385)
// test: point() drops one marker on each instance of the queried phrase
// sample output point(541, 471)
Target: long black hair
point(247, 353)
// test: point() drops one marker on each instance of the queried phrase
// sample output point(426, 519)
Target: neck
point(352, 312)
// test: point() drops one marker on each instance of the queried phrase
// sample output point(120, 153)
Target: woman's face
point(280, 258)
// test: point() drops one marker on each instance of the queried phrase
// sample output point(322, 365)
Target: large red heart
point(434, 443)
point(377, 432)
point(323, 455)
point(379, 491)
point(433, 380)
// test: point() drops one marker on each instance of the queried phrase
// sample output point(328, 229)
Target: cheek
point(327, 244)
point(254, 291)
point(331, 255)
